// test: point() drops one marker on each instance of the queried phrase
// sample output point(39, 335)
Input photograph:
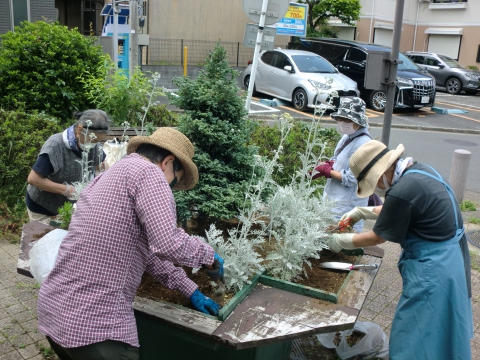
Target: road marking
point(470, 107)
point(269, 108)
point(464, 117)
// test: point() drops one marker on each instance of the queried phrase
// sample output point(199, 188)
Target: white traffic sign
point(276, 9)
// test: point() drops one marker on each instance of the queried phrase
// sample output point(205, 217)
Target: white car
point(302, 77)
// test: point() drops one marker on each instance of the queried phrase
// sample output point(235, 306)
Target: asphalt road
point(466, 121)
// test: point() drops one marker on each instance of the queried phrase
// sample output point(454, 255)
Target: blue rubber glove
point(217, 271)
point(204, 304)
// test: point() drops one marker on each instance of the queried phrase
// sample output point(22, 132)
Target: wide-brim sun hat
point(369, 162)
point(179, 145)
point(352, 109)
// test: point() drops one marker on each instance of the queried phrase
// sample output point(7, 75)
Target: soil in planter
point(325, 279)
point(150, 288)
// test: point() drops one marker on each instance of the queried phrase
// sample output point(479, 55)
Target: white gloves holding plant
point(69, 192)
point(360, 213)
point(341, 241)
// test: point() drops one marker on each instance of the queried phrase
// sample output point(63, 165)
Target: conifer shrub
point(216, 122)
point(40, 66)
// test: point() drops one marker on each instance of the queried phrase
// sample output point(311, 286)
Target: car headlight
point(402, 82)
point(320, 85)
point(471, 76)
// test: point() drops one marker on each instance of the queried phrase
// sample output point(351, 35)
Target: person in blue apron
point(433, 319)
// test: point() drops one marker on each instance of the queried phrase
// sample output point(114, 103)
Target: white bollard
point(458, 172)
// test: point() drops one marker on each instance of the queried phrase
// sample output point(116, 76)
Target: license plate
point(425, 99)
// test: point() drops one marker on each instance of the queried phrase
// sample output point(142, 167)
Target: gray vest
point(66, 168)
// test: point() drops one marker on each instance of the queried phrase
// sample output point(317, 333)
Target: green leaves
point(22, 136)
point(39, 66)
point(215, 121)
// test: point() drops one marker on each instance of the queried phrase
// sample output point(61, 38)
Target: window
point(478, 54)
point(449, 1)
point(267, 57)
point(356, 55)
point(417, 59)
point(431, 61)
point(19, 11)
point(282, 61)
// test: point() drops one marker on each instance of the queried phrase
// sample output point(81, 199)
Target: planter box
point(308, 290)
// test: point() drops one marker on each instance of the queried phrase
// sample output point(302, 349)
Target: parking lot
point(465, 121)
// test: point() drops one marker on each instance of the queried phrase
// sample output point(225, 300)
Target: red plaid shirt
point(125, 223)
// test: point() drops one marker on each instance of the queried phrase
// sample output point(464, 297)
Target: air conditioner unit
point(427, 1)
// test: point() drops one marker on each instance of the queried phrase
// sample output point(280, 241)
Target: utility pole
point(133, 36)
point(392, 78)
point(116, 11)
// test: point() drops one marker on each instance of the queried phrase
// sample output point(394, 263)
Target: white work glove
point(69, 192)
point(341, 241)
point(360, 213)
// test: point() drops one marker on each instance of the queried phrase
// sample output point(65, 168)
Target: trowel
point(346, 266)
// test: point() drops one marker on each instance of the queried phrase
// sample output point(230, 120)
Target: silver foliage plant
point(293, 219)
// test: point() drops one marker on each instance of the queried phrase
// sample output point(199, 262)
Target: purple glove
point(323, 169)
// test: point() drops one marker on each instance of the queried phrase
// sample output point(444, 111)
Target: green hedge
point(22, 136)
point(267, 138)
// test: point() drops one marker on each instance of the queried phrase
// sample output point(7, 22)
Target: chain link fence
point(171, 52)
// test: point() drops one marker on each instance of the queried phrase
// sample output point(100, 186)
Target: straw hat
point(369, 162)
point(352, 109)
point(179, 145)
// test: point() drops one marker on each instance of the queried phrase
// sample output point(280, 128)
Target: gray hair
point(99, 118)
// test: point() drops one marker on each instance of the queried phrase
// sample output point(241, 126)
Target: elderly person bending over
point(433, 319)
point(125, 224)
point(57, 167)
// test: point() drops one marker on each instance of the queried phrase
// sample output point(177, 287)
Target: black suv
point(415, 87)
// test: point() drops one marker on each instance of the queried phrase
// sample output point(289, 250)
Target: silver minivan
point(448, 72)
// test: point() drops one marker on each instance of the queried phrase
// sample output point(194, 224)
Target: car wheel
point(454, 86)
point(246, 83)
point(378, 100)
point(300, 100)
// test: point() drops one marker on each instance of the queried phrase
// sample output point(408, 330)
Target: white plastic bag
point(44, 254)
point(374, 345)
point(114, 151)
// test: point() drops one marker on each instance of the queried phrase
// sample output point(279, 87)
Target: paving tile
point(5, 348)
point(13, 329)
point(29, 352)
point(14, 355)
point(21, 340)
point(383, 321)
point(15, 309)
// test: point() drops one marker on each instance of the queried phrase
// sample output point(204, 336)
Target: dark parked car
point(448, 72)
point(415, 87)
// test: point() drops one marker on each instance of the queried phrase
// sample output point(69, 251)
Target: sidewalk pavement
point(20, 339)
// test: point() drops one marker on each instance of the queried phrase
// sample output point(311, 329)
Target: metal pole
point(255, 54)
point(392, 78)
point(116, 11)
point(134, 36)
point(458, 172)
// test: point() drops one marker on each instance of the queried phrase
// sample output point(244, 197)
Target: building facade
point(449, 27)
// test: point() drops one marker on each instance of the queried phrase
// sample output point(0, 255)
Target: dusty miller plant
point(298, 216)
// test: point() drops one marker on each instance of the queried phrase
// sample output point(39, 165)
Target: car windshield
point(451, 62)
point(407, 63)
point(313, 64)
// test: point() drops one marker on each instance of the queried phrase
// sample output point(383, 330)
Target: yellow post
point(185, 60)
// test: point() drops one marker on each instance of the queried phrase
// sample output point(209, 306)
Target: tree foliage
point(320, 11)
point(22, 136)
point(40, 64)
point(216, 122)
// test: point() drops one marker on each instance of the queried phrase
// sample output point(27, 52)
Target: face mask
point(173, 183)
point(382, 192)
point(346, 128)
